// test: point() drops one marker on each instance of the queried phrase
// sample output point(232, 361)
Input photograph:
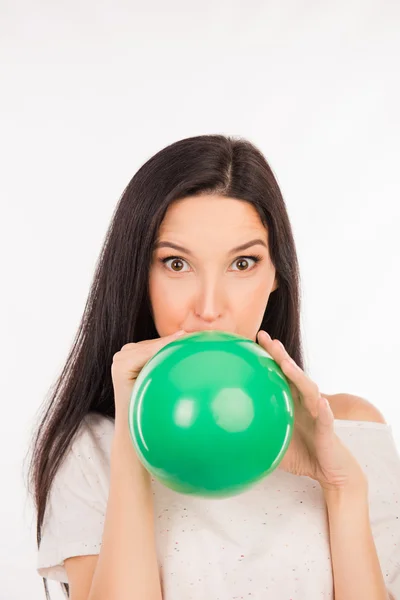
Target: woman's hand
point(315, 450)
point(127, 364)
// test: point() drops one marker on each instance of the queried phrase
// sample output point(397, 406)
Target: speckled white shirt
point(271, 542)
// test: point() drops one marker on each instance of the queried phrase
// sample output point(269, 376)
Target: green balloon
point(211, 414)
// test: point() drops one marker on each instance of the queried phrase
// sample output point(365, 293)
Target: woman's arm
point(127, 567)
point(356, 570)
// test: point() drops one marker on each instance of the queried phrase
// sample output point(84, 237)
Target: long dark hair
point(118, 310)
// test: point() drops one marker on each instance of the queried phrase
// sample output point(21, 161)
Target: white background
point(90, 90)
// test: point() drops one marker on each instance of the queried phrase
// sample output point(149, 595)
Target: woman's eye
point(176, 263)
point(243, 262)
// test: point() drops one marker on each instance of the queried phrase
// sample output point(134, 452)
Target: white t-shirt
point(271, 541)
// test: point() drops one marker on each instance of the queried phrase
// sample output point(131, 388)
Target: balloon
point(211, 414)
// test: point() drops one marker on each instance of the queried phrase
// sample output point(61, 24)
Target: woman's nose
point(210, 302)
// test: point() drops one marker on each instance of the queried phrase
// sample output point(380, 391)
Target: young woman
point(201, 239)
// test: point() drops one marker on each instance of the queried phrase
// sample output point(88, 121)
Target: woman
point(201, 240)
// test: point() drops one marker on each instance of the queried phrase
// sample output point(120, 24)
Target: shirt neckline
point(361, 424)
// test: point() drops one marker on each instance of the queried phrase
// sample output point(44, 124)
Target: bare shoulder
point(354, 408)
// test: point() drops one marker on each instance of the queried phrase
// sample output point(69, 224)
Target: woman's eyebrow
point(186, 251)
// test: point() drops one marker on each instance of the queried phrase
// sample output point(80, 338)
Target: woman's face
point(207, 283)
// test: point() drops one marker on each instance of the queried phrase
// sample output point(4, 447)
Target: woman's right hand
point(127, 364)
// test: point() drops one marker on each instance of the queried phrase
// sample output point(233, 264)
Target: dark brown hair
point(118, 310)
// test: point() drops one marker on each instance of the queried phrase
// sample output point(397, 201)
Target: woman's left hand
point(315, 450)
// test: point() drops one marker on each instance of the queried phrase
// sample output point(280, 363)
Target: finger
point(146, 348)
point(153, 346)
point(274, 347)
point(160, 341)
point(307, 388)
point(324, 425)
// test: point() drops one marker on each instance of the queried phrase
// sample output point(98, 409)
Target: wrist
point(356, 496)
point(121, 421)
point(122, 401)
point(124, 456)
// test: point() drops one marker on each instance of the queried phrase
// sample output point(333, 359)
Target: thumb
point(163, 341)
point(324, 421)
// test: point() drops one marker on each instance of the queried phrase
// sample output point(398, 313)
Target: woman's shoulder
point(85, 466)
point(362, 427)
point(97, 426)
point(349, 407)
point(94, 435)
point(90, 449)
